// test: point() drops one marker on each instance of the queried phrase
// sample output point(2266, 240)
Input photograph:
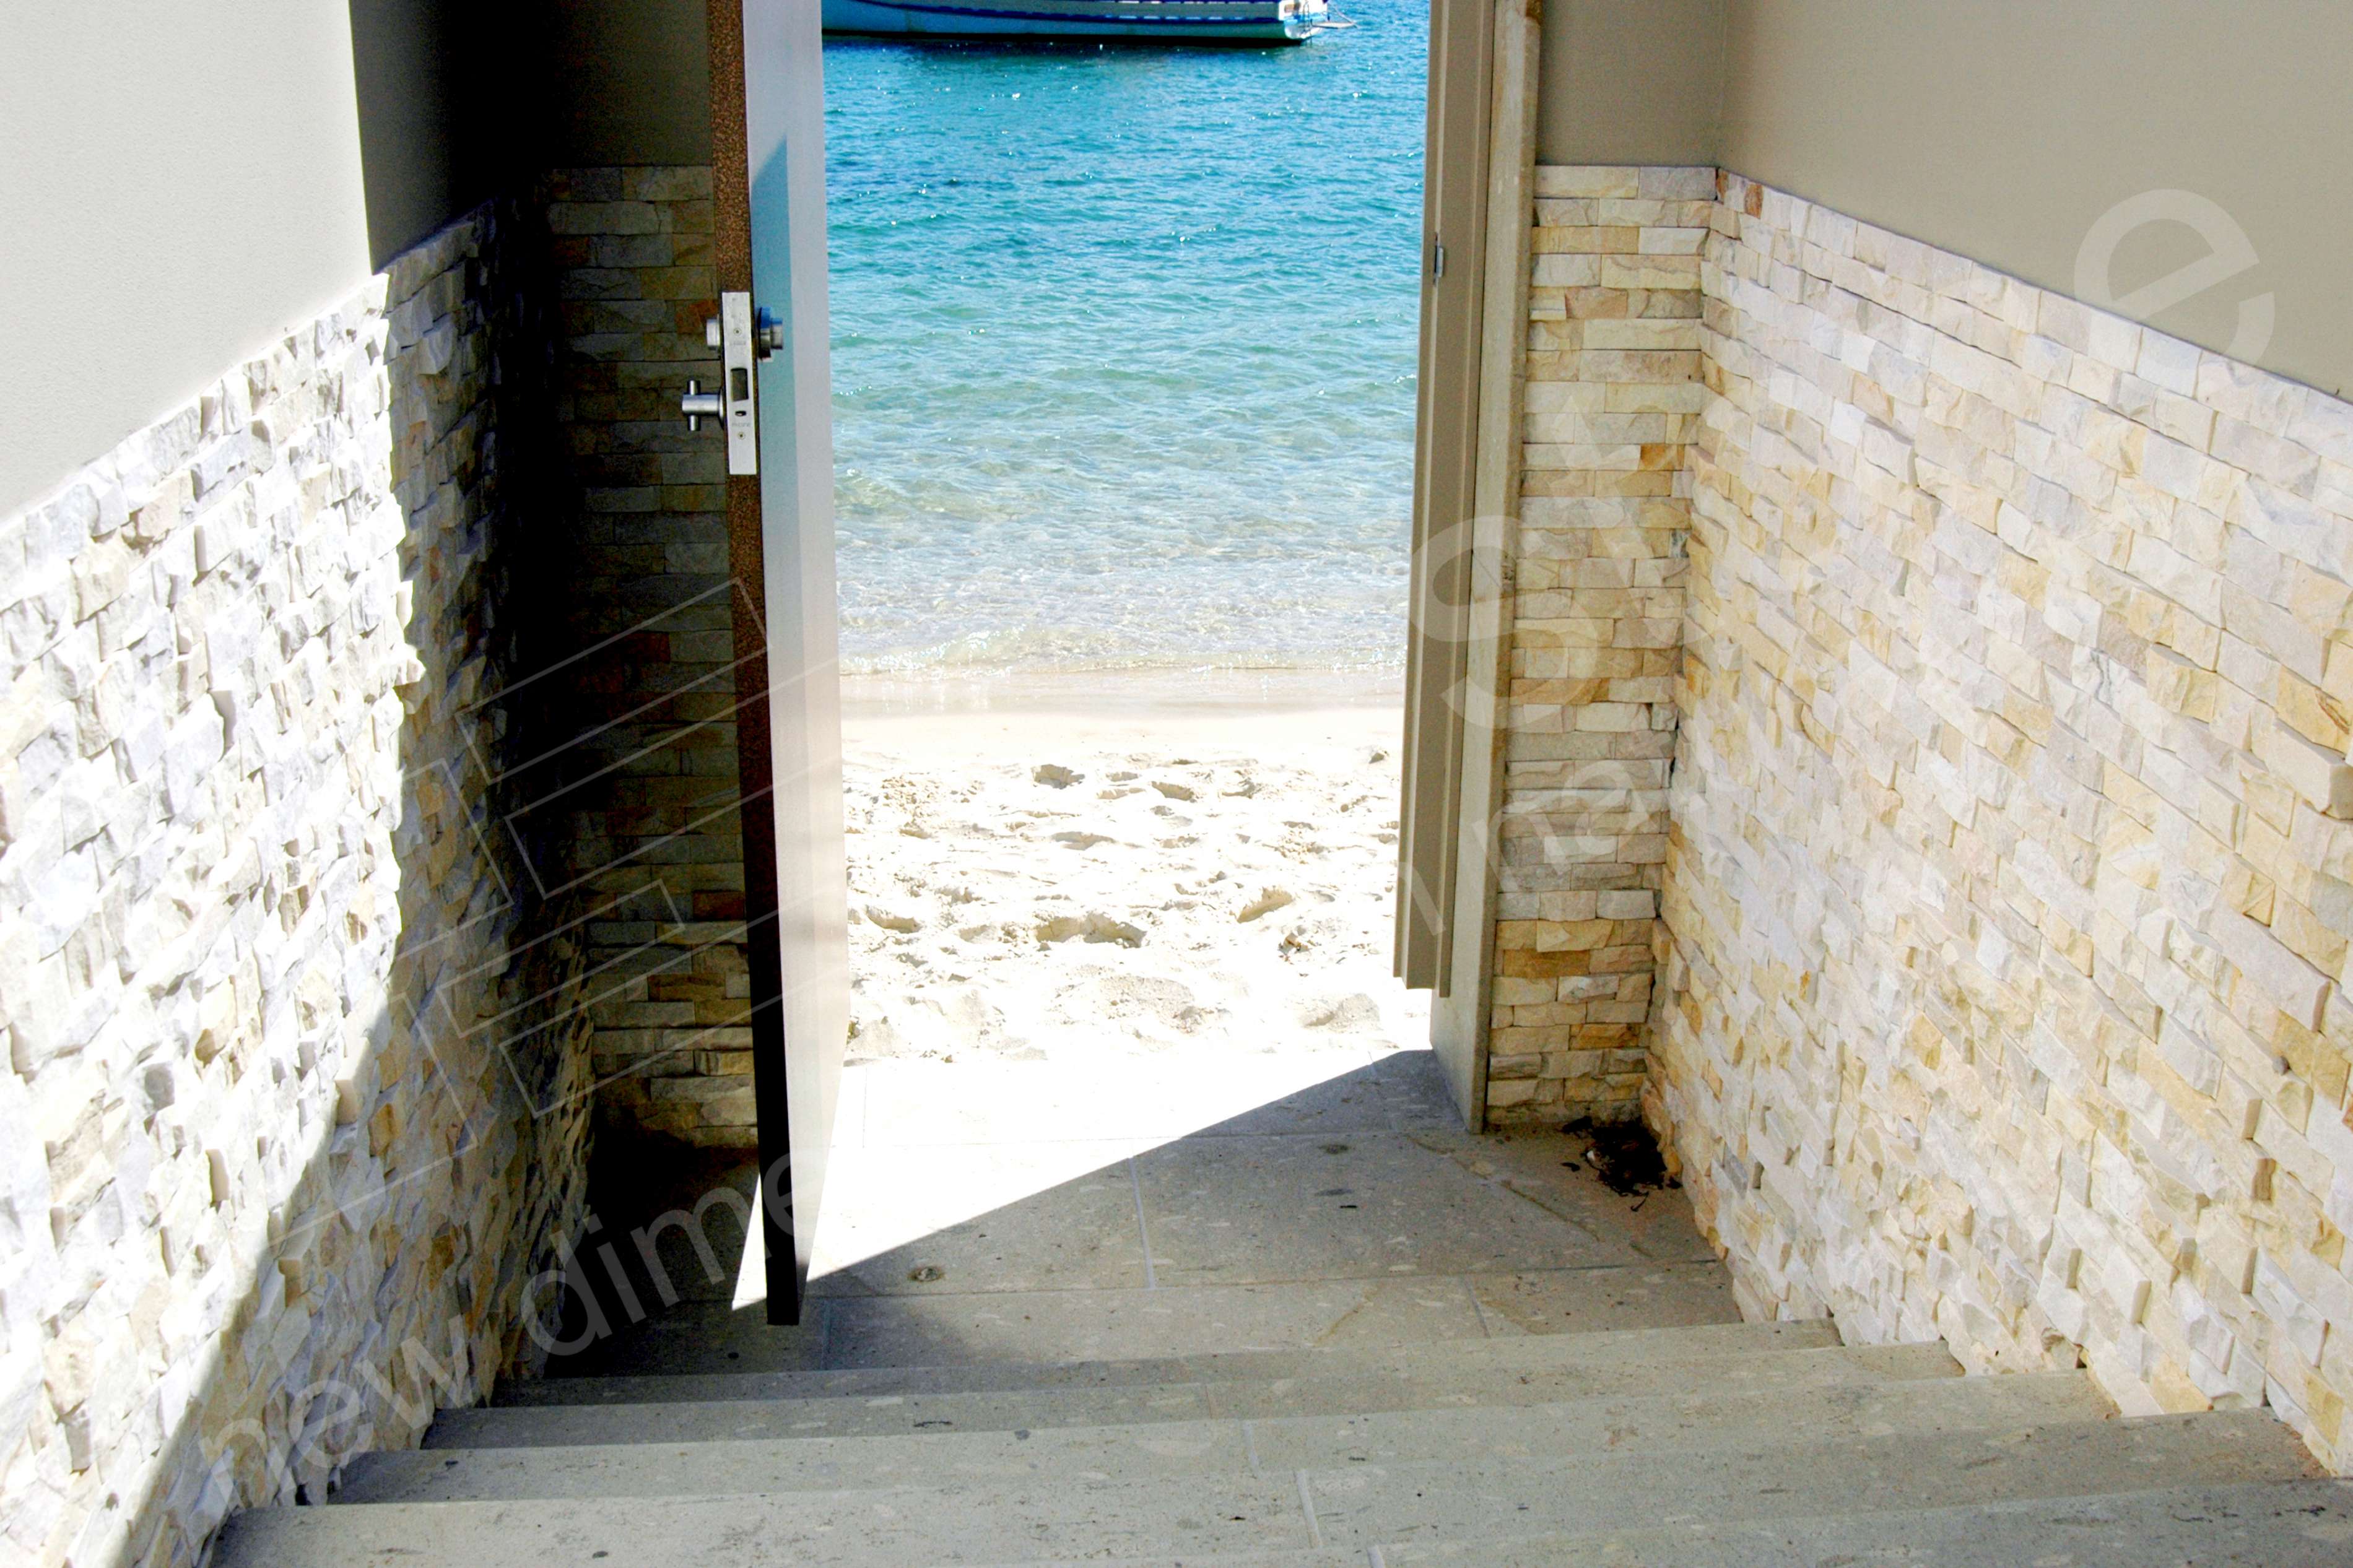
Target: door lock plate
point(739, 357)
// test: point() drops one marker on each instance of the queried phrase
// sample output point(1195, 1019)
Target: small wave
point(1067, 651)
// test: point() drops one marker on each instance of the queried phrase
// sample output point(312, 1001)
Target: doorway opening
point(1124, 345)
point(1125, 384)
point(1124, 364)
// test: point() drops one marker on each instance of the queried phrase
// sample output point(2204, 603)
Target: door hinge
point(1437, 260)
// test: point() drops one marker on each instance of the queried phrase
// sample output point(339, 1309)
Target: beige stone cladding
point(1612, 398)
point(287, 1123)
point(2010, 873)
point(647, 790)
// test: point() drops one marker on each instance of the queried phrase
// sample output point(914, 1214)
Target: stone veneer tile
point(649, 792)
point(292, 1110)
point(1612, 399)
point(2007, 854)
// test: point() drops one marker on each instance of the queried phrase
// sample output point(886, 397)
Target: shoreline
point(1271, 714)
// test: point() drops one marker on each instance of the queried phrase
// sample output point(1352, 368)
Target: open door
point(775, 400)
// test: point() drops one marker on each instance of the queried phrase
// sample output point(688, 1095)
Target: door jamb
point(1461, 1008)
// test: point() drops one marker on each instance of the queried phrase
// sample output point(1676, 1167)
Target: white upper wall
point(182, 182)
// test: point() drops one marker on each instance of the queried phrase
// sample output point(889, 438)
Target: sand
point(1082, 871)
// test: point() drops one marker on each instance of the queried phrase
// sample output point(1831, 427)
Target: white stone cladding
point(1613, 398)
point(2009, 875)
point(288, 1122)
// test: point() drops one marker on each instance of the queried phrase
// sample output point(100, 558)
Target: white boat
point(1173, 21)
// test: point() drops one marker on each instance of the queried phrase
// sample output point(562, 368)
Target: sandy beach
point(1070, 870)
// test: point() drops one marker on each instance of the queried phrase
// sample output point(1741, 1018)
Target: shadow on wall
point(642, 783)
point(327, 1118)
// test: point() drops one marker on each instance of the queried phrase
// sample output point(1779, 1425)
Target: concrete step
point(1669, 1426)
point(2291, 1524)
point(1409, 1506)
point(1492, 1385)
point(1527, 1350)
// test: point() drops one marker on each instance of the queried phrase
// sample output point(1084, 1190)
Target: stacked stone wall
point(646, 789)
point(292, 1114)
point(2009, 875)
point(1612, 399)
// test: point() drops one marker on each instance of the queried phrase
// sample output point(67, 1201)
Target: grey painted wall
point(633, 82)
point(458, 100)
point(1630, 81)
point(182, 182)
point(2038, 137)
point(450, 96)
point(2006, 129)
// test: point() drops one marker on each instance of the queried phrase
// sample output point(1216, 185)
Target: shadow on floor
point(1343, 1208)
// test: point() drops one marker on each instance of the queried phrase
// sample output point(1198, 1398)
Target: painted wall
point(2098, 148)
point(1630, 81)
point(2008, 129)
point(183, 182)
point(186, 182)
point(451, 98)
point(635, 83)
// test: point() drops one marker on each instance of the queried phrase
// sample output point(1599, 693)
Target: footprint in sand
point(1093, 926)
point(890, 920)
point(1053, 775)
point(1173, 791)
point(1357, 1011)
point(1078, 840)
point(1123, 998)
point(1266, 903)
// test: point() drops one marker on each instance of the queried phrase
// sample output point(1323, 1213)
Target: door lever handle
point(699, 406)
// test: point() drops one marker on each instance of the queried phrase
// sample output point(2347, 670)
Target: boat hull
point(1168, 21)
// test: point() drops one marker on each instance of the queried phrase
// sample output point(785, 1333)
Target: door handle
point(699, 406)
point(742, 338)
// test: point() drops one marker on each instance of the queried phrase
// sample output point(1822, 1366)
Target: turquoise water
point(1123, 350)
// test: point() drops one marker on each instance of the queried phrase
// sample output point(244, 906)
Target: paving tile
point(1350, 1205)
point(1092, 1325)
point(969, 1218)
point(1290, 1200)
point(1554, 1170)
point(697, 1337)
point(1583, 1300)
point(928, 1104)
point(1399, 1090)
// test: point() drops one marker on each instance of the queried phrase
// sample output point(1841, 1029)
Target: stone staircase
point(1732, 1445)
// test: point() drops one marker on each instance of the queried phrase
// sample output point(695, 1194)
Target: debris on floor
point(1623, 1154)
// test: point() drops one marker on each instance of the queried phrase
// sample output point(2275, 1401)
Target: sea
point(1124, 351)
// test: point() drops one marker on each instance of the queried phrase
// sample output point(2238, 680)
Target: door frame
point(1479, 156)
point(1478, 206)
